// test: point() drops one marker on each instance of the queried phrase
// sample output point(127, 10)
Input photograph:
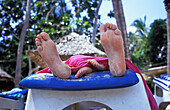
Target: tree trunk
point(95, 23)
point(120, 19)
point(20, 46)
point(167, 6)
point(168, 43)
point(29, 63)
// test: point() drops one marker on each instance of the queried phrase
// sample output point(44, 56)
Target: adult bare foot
point(96, 66)
point(82, 71)
point(48, 52)
point(112, 43)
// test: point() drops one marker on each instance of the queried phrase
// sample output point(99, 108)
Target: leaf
point(52, 30)
point(38, 3)
point(47, 29)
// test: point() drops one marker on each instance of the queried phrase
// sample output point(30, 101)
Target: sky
point(135, 9)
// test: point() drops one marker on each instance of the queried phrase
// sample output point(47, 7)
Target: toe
point(39, 37)
point(45, 36)
point(37, 42)
point(117, 32)
point(102, 28)
point(107, 25)
point(39, 48)
point(79, 74)
point(113, 27)
point(36, 39)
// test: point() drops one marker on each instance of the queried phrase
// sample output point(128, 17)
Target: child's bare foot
point(96, 66)
point(48, 51)
point(82, 71)
point(112, 43)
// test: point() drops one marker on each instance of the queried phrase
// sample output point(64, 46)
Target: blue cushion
point(93, 81)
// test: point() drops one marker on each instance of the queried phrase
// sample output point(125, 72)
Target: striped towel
point(165, 76)
point(162, 83)
point(15, 93)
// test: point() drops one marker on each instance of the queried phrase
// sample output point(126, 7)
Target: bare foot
point(112, 43)
point(82, 71)
point(48, 52)
point(96, 66)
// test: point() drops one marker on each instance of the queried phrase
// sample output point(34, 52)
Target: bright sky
point(135, 9)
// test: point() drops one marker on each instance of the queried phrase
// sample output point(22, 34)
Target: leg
point(82, 71)
point(95, 65)
point(112, 43)
point(48, 51)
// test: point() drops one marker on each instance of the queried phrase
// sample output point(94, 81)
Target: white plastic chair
point(11, 104)
point(128, 98)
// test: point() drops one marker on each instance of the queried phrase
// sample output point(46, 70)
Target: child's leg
point(95, 66)
point(112, 43)
point(82, 71)
point(48, 51)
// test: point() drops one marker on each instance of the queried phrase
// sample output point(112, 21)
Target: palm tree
point(141, 27)
point(138, 41)
point(135, 42)
point(120, 19)
point(167, 5)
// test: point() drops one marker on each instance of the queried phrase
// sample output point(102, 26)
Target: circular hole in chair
point(87, 105)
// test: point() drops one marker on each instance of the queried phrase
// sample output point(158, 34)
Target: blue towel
point(15, 93)
point(165, 76)
point(162, 83)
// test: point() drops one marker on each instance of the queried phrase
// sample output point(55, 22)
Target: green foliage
point(151, 85)
point(8, 44)
point(51, 16)
point(141, 27)
point(157, 42)
point(148, 48)
point(138, 43)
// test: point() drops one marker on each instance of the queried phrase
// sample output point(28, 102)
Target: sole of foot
point(112, 43)
point(48, 51)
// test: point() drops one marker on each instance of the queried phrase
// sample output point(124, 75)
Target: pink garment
point(79, 61)
point(151, 99)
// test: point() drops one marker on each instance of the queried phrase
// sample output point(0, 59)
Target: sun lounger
point(13, 99)
point(10, 104)
point(162, 91)
point(119, 93)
